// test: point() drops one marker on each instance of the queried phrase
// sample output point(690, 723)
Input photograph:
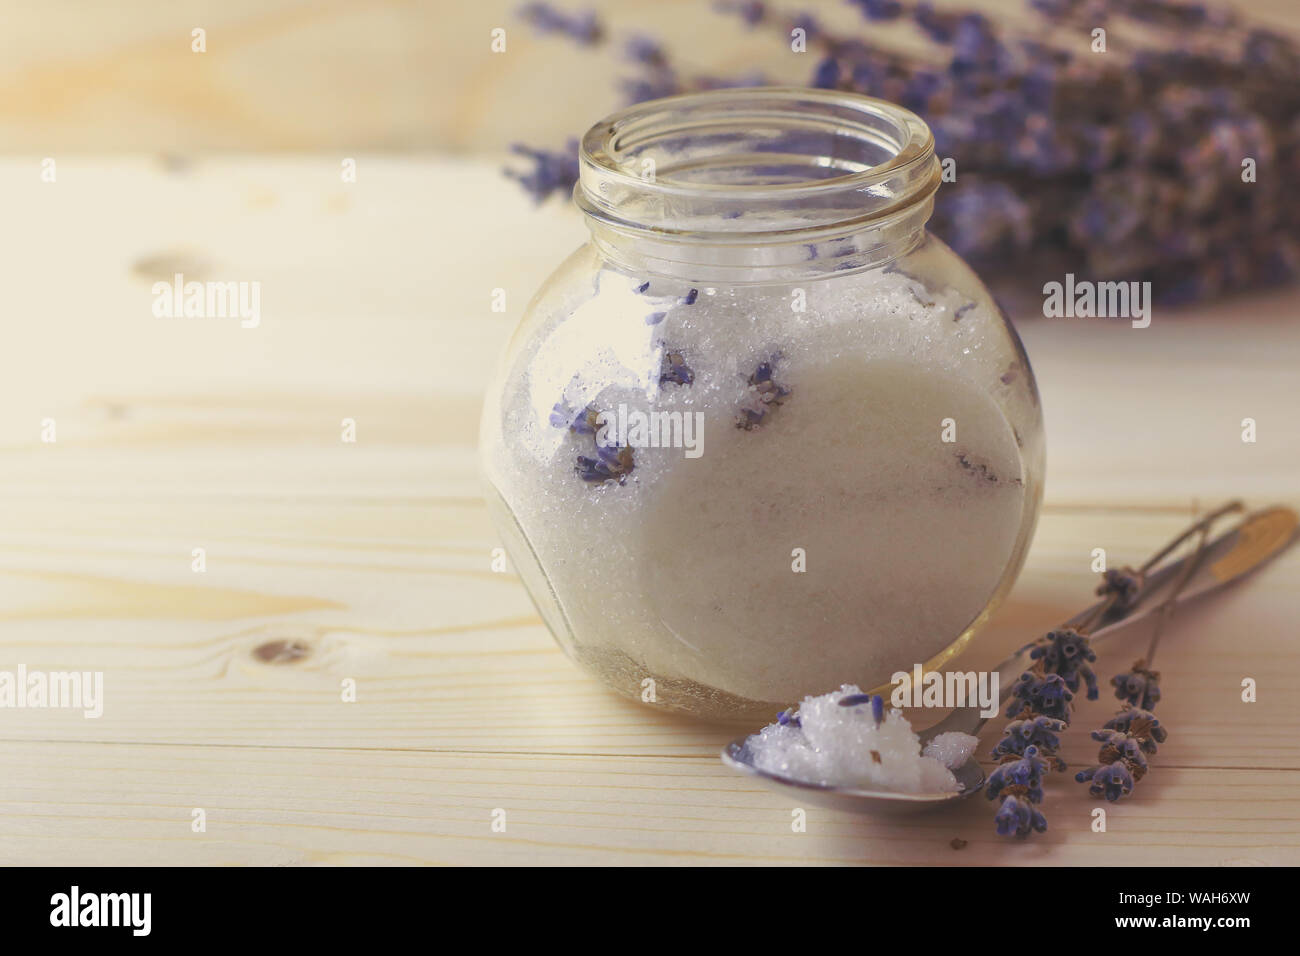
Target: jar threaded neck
point(760, 179)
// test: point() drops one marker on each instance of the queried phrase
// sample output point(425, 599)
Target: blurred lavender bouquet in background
point(1170, 154)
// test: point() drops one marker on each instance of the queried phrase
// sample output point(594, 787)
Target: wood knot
point(282, 652)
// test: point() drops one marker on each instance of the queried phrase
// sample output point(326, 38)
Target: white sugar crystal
point(844, 746)
point(952, 749)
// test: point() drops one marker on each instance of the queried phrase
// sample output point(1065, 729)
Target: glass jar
point(762, 435)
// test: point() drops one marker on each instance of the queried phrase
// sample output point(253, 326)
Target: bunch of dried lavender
point(1135, 732)
point(1117, 164)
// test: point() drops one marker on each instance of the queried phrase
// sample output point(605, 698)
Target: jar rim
point(865, 159)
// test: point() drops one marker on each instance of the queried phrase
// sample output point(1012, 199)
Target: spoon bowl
point(970, 776)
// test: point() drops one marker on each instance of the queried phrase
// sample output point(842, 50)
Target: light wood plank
point(92, 803)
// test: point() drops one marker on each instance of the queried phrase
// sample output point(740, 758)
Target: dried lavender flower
point(1047, 695)
point(581, 421)
point(1111, 781)
point(1019, 776)
point(1067, 653)
point(875, 700)
point(610, 464)
point(1018, 817)
point(584, 27)
point(1142, 725)
point(1125, 583)
point(552, 172)
point(673, 370)
point(1139, 687)
point(1039, 732)
point(765, 394)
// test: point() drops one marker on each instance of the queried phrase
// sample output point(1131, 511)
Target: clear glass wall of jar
point(763, 435)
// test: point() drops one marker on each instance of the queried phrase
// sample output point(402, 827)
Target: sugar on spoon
point(1257, 539)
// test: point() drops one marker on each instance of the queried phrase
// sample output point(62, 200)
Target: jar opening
point(759, 163)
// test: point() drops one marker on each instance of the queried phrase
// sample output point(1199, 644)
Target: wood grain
point(372, 559)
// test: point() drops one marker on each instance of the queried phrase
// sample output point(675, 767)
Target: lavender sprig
point(1135, 732)
point(1041, 705)
point(1125, 739)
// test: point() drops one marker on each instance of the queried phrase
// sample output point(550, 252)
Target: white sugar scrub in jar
point(763, 435)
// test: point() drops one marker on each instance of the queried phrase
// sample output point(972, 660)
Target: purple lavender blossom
point(1021, 776)
point(673, 370)
point(1067, 653)
point(1046, 695)
point(879, 9)
point(875, 700)
point(1111, 781)
point(577, 420)
point(827, 74)
point(583, 27)
point(1125, 583)
point(1018, 817)
point(645, 50)
point(610, 464)
point(1140, 724)
point(1138, 687)
point(765, 394)
point(580, 421)
point(1040, 732)
point(552, 172)
point(1116, 745)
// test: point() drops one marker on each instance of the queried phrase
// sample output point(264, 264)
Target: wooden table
point(330, 561)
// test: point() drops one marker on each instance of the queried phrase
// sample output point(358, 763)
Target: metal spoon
point(1255, 541)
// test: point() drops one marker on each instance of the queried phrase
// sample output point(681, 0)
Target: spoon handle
point(1259, 538)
